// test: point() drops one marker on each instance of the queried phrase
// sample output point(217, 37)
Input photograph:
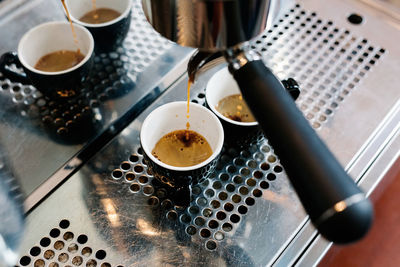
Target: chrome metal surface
point(33, 129)
point(126, 215)
point(210, 24)
point(11, 214)
point(375, 174)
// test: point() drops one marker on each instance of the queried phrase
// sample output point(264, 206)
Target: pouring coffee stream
point(336, 206)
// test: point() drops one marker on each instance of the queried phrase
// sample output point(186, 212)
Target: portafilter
point(336, 206)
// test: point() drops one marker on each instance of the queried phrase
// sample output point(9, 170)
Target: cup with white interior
point(172, 117)
point(223, 86)
point(42, 40)
point(107, 20)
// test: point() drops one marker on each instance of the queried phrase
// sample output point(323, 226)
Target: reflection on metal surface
point(146, 228)
point(12, 222)
point(339, 207)
point(112, 214)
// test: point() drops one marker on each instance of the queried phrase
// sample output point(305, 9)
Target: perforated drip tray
point(113, 75)
point(61, 247)
point(246, 214)
point(217, 204)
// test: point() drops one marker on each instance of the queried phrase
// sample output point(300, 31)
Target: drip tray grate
point(114, 74)
point(62, 247)
point(217, 204)
point(327, 61)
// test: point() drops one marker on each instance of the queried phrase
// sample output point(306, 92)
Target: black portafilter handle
point(337, 207)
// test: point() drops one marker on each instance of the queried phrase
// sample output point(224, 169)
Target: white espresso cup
point(221, 85)
point(44, 39)
point(171, 117)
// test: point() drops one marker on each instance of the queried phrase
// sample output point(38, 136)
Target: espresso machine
point(336, 206)
point(94, 202)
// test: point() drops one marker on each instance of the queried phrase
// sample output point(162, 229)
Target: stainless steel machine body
point(210, 25)
point(111, 213)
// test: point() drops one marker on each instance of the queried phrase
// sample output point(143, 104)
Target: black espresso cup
point(107, 35)
point(40, 41)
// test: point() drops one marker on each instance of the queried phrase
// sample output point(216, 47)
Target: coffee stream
point(72, 25)
point(95, 15)
point(188, 109)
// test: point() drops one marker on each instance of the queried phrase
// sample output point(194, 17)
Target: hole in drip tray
point(48, 254)
point(205, 233)
point(82, 239)
point(223, 195)
point(215, 204)
point(251, 182)
point(250, 201)
point(228, 207)
point(100, 254)
point(59, 245)
point(91, 263)
point(227, 227)
point(264, 185)
point(191, 230)
point(77, 261)
point(153, 201)
point(39, 263)
point(35, 251)
point(199, 221)
point(68, 236)
point(25, 260)
point(86, 251)
point(126, 166)
point(355, 19)
point(129, 176)
point(64, 224)
point(73, 248)
point(54, 233)
point(211, 245)
point(207, 212)
point(213, 224)
point(242, 209)
point(235, 218)
point(63, 257)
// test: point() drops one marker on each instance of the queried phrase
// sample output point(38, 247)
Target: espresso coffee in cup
point(59, 60)
point(100, 15)
point(182, 148)
point(224, 98)
point(54, 61)
point(235, 108)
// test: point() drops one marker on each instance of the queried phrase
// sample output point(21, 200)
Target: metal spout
point(199, 60)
